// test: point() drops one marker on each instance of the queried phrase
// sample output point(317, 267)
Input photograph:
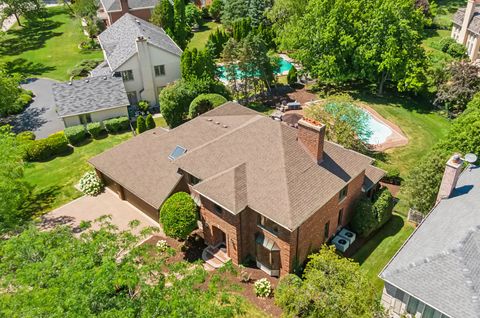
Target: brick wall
point(143, 14)
point(311, 232)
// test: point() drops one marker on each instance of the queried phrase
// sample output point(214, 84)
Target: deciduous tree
point(9, 91)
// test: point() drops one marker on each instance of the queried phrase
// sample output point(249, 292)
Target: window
point(267, 224)
point(127, 75)
point(412, 305)
point(218, 209)
point(397, 305)
point(343, 193)
point(428, 312)
point(85, 119)
point(340, 218)
point(326, 233)
point(159, 70)
point(132, 98)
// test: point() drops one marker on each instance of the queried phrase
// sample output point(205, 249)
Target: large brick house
point(267, 191)
point(112, 10)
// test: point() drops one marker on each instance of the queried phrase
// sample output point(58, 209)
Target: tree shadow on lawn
point(27, 68)
point(31, 37)
point(391, 228)
point(39, 200)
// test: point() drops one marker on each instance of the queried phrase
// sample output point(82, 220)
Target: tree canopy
point(332, 286)
point(9, 91)
point(162, 16)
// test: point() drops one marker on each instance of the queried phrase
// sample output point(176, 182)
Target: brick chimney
point(469, 11)
point(311, 134)
point(450, 177)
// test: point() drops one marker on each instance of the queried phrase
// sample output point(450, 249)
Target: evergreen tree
point(163, 16)
point(141, 127)
point(234, 10)
point(215, 9)
point(256, 11)
point(149, 122)
point(181, 27)
point(197, 64)
point(292, 76)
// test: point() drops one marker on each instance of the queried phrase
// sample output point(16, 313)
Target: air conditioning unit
point(348, 235)
point(340, 243)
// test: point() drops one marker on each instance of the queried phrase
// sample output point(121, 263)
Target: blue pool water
point(285, 66)
point(380, 131)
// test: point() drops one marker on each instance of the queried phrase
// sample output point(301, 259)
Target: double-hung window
point(127, 75)
point(159, 70)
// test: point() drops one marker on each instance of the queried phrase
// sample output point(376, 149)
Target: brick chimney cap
point(311, 123)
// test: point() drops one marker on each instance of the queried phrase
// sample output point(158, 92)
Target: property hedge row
point(76, 134)
point(116, 125)
point(369, 215)
point(44, 149)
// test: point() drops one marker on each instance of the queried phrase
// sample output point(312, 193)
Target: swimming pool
point(284, 67)
point(380, 131)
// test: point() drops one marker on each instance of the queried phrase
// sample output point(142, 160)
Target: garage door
point(141, 205)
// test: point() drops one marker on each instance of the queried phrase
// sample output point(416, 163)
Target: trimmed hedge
point(26, 135)
point(205, 102)
point(370, 216)
point(43, 149)
point(178, 215)
point(76, 134)
point(150, 122)
point(116, 125)
point(141, 127)
point(95, 129)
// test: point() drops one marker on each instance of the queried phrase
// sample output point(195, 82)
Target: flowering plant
point(90, 184)
point(262, 287)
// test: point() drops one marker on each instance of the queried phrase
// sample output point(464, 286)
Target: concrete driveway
point(89, 208)
point(40, 117)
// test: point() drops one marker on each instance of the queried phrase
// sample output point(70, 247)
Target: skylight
point(177, 152)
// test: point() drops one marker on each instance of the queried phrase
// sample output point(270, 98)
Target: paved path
point(40, 117)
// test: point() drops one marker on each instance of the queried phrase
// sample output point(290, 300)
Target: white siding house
point(466, 28)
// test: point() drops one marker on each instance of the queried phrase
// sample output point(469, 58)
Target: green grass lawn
point(445, 10)
point(160, 122)
point(47, 49)
point(200, 38)
point(53, 180)
point(376, 253)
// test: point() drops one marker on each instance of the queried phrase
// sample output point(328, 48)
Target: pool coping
point(396, 139)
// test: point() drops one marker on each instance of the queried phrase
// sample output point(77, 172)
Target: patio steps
point(214, 257)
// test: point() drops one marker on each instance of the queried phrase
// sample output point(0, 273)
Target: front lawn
point(47, 49)
point(200, 38)
point(378, 251)
point(54, 180)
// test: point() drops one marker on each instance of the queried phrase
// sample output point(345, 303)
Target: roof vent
point(70, 83)
point(104, 78)
point(136, 20)
point(225, 126)
point(87, 80)
point(209, 119)
point(217, 122)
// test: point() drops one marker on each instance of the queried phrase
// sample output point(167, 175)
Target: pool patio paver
point(88, 208)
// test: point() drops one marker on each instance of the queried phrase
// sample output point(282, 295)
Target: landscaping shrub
point(205, 102)
point(150, 122)
point(287, 288)
point(76, 134)
point(90, 184)
point(444, 44)
point(26, 135)
point(457, 50)
point(262, 287)
point(370, 216)
point(178, 215)
point(83, 68)
point(95, 129)
point(89, 45)
point(292, 76)
point(144, 105)
point(392, 176)
point(141, 127)
point(43, 149)
point(116, 125)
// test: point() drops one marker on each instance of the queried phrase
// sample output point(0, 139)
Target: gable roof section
point(119, 40)
point(242, 158)
point(439, 263)
point(89, 95)
point(474, 24)
point(115, 5)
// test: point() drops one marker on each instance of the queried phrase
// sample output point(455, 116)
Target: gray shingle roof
point(102, 69)
point(440, 262)
point(115, 5)
point(253, 161)
point(474, 25)
point(119, 40)
point(89, 95)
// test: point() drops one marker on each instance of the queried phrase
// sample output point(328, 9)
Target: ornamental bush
point(262, 287)
point(287, 288)
point(141, 127)
point(47, 148)
point(116, 125)
point(26, 135)
point(178, 215)
point(95, 129)
point(76, 134)
point(90, 184)
point(370, 216)
point(205, 102)
point(292, 76)
point(150, 122)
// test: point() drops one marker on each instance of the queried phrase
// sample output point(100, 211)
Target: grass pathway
point(200, 38)
point(47, 49)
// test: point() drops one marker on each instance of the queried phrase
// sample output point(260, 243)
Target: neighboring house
point(466, 28)
point(143, 54)
point(90, 100)
point(267, 192)
point(112, 10)
point(436, 273)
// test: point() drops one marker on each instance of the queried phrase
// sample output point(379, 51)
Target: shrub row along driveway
point(40, 117)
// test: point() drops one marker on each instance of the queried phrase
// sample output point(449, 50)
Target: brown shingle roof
point(243, 158)
point(372, 176)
